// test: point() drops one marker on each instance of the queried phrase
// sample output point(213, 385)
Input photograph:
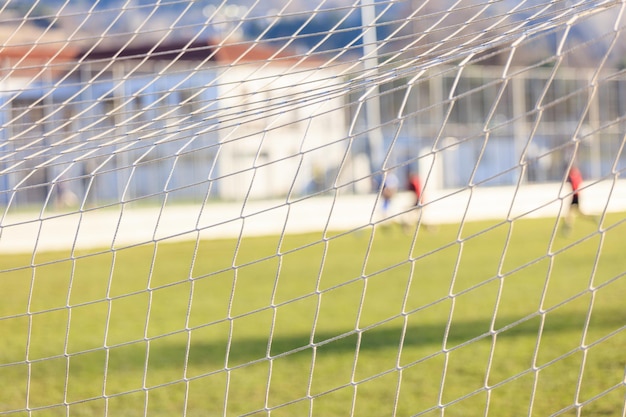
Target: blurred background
point(131, 100)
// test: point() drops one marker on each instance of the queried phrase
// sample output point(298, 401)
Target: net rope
point(207, 208)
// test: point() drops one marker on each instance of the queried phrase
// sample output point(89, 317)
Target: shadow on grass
point(244, 350)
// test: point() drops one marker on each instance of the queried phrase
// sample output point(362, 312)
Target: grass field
point(511, 318)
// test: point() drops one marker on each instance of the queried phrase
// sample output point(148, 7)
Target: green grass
point(505, 317)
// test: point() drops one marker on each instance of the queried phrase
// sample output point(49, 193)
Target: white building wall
point(278, 130)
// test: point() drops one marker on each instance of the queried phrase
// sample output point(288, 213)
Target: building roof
point(26, 49)
point(250, 51)
point(201, 50)
point(180, 50)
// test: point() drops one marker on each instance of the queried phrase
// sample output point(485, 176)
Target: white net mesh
point(312, 208)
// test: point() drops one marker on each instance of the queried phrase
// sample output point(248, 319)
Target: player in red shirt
point(575, 179)
point(415, 185)
point(415, 215)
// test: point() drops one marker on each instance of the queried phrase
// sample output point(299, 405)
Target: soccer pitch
point(497, 318)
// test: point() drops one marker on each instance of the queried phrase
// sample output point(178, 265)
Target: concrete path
point(122, 226)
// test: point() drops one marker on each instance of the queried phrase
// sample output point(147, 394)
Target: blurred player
point(415, 185)
point(575, 179)
point(415, 214)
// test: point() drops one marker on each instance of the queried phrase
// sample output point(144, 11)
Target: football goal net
point(317, 208)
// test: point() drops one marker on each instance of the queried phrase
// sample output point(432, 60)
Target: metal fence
point(493, 129)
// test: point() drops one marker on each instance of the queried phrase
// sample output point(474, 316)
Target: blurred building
point(481, 128)
point(144, 121)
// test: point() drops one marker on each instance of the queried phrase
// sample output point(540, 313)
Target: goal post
point(328, 208)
